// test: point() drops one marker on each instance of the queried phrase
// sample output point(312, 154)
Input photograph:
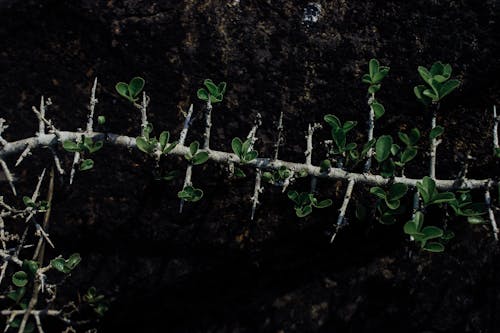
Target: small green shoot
point(131, 90)
point(215, 92)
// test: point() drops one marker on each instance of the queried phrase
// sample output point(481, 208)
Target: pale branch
point(309, 151)
point(187, 182)
point(434, 143)
point(256, 191)
point(47, 122)
point(261, 163)
point(144, 115)
point(187, 123)
point(280, 138)
point(371, 127)
point(92, 103)
point(8, 175)
point(208, 125)
point(182, 139)
point(496, 119)
point(258, 174)
point(3, 127)
point(76, 159)
point(26, 152)
point(343, 209)
point(57, 161)
point(41, 124)
point(487, 201)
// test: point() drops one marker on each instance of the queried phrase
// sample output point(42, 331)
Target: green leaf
point(28, 202)
point(442, 197)
point(17, 294)
point(71, 146)
point(193, 147)
point(424, 73)
point(293, 195)
point(250, 156)
point(366, 79)
point(164, 137)
point(95, 146)
point(236, 144)
point(448, 87)
point(170, 147)
point(408, 155)
point(437, 68)
point(395, 149)
point(378, 110)
point(238, 173)
point(30, 267)
point(434, 247)
point(59, 264)
point(332, 120)
point(476, 220)
point(212, 88)
point(202, 94)
point(101, 120)
point(414, 136)
point(392, 204)
point(378, 192)
point(135, 86)
point(373, 67)
point(447, 71)
point(324, 203)
point(267, 177)
point(387, 168)
point(144, 145)
point(303, 211)
point(339, 137)
point(222, 88)
point(373, 88)
point(349, 125)
point(431, 232)
point(411, 228)
point(383, 148)
point(435, 132)
point(73, 261)
point(86, 164)
point(122, 89)
point(20, 279)
point(200, 158)
point(325, 165)
point(397, 191)
point(429, 93)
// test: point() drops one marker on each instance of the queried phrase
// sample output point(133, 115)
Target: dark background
point(211, 269)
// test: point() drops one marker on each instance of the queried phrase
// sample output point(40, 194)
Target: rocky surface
point(211, 269)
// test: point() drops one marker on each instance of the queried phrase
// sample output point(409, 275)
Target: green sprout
point(66, 265)
point(212, 91)
point(389, 203)
point(374, 78)
point(438, 83)
point(429, 237)
point(132, 90)
point(244, 150)
point(304, 202)
point(430, 195)
point(191, 194)
point(194, 156)
point(151, 145)
point(85, 144)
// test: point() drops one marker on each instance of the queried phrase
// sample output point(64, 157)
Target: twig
point(258, 175)
point(144, 115)
point(25, 153)
point(496, 119)
point(280, 138)
point(434, 143)
point(371, 127)
point(187, 123)
point(343, 209)
point(208, 125)
point(57, 161)
point(92, 103)
point(487, 200)
point(309, 151)
point(182, 139)
point(3, 127)
point(8, 176)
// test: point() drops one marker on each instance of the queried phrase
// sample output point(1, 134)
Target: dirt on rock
point(211, 269)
